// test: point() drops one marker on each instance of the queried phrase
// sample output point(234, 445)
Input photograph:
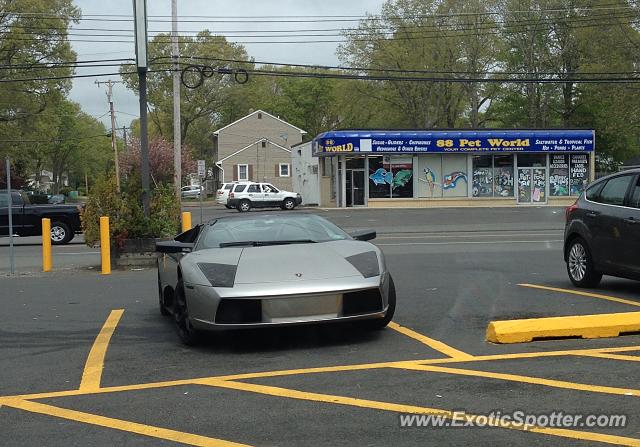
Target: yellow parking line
point(122, 425)
point(578, 292)
point(92, 373)
point(432, 343)
point(626, 358)
point(401, 408)
point(524, 379)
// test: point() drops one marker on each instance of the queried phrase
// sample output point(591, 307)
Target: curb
point(576, 326)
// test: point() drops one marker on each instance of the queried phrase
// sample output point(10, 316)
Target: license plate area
point(302, 308)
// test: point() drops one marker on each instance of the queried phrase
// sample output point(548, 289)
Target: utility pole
point(140, 28)
point(114, 146)
point(175, 54)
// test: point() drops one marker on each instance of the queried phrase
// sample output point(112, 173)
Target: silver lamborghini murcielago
point(266, 270)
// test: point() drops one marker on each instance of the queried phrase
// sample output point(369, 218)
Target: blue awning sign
point(418, 142)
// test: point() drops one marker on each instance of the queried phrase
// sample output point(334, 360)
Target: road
point(325, 385)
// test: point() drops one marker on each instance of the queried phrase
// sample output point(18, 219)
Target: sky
point(93, 98)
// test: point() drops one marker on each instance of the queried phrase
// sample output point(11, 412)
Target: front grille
point(361, 302)
point(239, 311)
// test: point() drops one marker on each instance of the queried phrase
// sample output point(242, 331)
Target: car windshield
point(270, 230)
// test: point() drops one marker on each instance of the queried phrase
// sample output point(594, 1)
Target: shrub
point(126, 215)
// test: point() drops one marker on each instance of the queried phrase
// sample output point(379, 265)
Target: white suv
point(261, 195)
point(222, 195)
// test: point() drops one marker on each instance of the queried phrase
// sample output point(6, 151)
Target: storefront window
point(558, 175)
point(402, 183)
point(391, 176)
point(454, 176)
point(482, 176)
point(503, 176)
point(532, 160)
point(579, 173)
point(429, 174)
point(379, 178)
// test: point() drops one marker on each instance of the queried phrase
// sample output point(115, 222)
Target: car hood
point(278, 263)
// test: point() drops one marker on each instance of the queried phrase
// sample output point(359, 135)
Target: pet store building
point(453, 167)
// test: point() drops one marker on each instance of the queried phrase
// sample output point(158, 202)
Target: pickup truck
point(27, 218)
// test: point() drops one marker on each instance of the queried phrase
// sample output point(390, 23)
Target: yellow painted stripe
point(581, 293)
point(122, 425)
point(585, 326)
point(602, 355)
point(432, 343)
point(401, 408)
point(290, 372)
point(524, 379)
point(92, 373)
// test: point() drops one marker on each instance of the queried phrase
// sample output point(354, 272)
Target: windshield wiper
point(264, 243)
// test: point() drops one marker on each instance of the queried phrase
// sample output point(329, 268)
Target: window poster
point(524, 185)
point(539, 185)
point(579, 173)
point(558, 175)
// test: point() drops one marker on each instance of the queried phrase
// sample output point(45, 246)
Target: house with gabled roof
point(257, 147)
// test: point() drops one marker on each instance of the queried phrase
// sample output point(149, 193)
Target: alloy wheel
point(577, 261)
point(58, 233)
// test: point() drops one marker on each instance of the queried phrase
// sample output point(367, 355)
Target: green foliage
point(125, 212)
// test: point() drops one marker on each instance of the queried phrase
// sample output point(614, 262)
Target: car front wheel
point(580, 267)
point(60, 233)
point(188, 334)
point(288, 204)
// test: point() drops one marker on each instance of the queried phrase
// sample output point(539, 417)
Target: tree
point(160, 160)
point(199, 108)
point(33, 45)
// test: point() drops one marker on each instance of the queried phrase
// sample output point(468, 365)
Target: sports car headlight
point(366, 263)
point(219, 275)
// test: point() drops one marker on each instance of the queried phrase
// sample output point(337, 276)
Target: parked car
point(191, 191)
point(36, 197)
point(222, 195)
point(27, 218)
point(270, 270)
point(261, 195)
point(602, 233)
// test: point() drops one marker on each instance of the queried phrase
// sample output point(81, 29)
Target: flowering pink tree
point(160, 160)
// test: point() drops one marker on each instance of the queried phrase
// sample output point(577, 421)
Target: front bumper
point(278, 306)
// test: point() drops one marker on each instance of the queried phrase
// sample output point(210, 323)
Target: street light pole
point(177, 143)
point(140, 26)
point(10, 211)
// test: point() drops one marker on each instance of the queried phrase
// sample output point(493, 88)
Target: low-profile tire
point(381, 323)
point(189, 335)
point(580, 267)
point(60, 233)
point(288, 204)
point(163, 309)
point(244, 206)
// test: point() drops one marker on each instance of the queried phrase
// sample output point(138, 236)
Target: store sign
point(412, 142)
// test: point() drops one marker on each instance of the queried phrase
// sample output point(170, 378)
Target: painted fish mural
point(450, 181)
point(401, 178)
point(381, 176)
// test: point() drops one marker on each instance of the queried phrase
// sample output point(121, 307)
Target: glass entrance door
point(355, 187)
point(532, 185)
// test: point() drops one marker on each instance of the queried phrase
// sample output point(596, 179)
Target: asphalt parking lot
point(88, 360)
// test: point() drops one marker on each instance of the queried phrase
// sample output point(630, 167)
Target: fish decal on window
point(381, 176)
point(450, 181)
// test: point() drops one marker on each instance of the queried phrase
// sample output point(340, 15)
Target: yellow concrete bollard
point(186, 221)
point(105, 247)
point(46, 245)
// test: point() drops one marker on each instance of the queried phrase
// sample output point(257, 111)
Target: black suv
point(602, 233)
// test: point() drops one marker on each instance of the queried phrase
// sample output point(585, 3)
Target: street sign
point(202, 171)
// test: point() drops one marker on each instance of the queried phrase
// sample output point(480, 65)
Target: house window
point(264, 144)
point(259, 115)
point(243, 172)
point(284, 169)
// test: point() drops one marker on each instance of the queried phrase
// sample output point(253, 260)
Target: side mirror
point(173, 247)
point(363, 235)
